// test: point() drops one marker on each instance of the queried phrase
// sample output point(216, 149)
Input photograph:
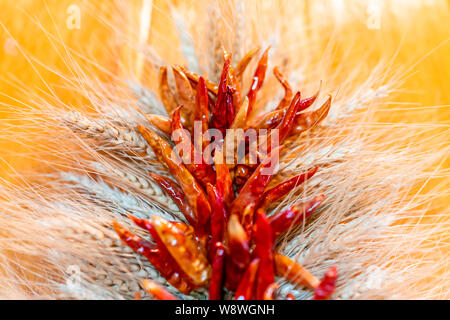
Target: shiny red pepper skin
point(327, 285)
point(218, 219)
point(160, 258)
point(287, 89)
point(203, 172)
point(224, 183)
point(262, 237)
point(219, 119)
point(294, 215)
point(201, 112)
point(258, 80)
point(253, 191)
point(177, 195)
point(308, 120)
point(216, 283)
point(238, 253)
point(246, 288)
point(283, 188)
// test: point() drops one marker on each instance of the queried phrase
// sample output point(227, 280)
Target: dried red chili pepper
point(308, 120)
point(292, 271)
point(283, 188)
point(269, 120)
point(218, 218)
point(153, 140)
point(184, 249)
point(269, 294)
point(238, 252)
point(241, 115)
point(186, 95)
point(284, 128)
point(219, 118)
point(326, 287)
point(262, 237)
point(258, 80)
point(273, 118)
point(294, 215)
point(224, 183)
point(177, 195)
point(242, 65)
point(287, 89)
point(193, 192)
point(201, 112)
point(229, 106)
point(252, 192)
point(247, 286)
point(160, 257)
point(167, 97)
point(203, 172)
point(161, 122)
point(157, 291)
point(306, 103)
point(215, 285)
point(195, 79)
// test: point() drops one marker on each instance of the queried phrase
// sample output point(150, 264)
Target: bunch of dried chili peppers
point(228, 240)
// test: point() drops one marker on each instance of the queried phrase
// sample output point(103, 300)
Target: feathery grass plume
point(382, 157)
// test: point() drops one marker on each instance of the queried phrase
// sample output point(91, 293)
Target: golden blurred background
point(415, 33)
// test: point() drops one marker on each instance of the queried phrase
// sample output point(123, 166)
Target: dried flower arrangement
point(337, 202)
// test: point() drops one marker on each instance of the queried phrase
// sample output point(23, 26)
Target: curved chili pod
point(283, 188)
point(262, 237)
point(201, 112)
point(215, 285)
point(218, 218)
point(241, 116)
point(238, 252)
point(308, 102)
point(160, 258)
point(242, 65)
point(153, 140)
point(308, 120)
point(193, 192)
point(167, 97)
point(233, 82)
point(219, 118)
point(327, 285)
point(292, 271)
point(247, 286)
point(186, 95)
point(252, 192)
point(294, 215)
point(203, 172)
point(287, 89)
point(269, 294)
point(177, 195)
point(157, 291)
point(184, 250)
point(269, 120)
point(258, 80)
point(286, 125)
point(195, 79)
point(224, 183)
point(161, 122)
point(284, 128)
